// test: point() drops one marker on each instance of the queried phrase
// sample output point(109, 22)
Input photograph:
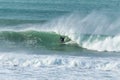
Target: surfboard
point(67, 39)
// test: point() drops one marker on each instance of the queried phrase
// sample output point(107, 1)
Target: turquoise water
point(30, 46)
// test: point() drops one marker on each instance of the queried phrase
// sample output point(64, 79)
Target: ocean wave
point(95, 31)
point(49, 39)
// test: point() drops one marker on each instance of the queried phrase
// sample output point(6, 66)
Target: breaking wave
point(95, 31)
point(49, 39)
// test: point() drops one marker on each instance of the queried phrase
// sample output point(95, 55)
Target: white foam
point(107, 44)
point(33, 61)
point(17, 66)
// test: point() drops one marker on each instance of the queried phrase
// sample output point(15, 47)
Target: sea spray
point(102, 30)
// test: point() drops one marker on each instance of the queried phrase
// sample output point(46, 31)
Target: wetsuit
point(62, 39)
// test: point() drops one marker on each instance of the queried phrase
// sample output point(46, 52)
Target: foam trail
point(35, 61)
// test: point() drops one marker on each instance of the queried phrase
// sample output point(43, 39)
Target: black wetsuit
point(62, 39)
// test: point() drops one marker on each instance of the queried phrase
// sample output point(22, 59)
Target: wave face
point(29, 38)
point(34, 40)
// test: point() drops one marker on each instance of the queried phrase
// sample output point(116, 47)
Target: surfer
point(62, 39)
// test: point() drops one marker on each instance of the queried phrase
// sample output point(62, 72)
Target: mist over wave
point(102, 29)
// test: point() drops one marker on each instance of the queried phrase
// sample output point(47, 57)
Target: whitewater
point(30, 46)
point(37, 67)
